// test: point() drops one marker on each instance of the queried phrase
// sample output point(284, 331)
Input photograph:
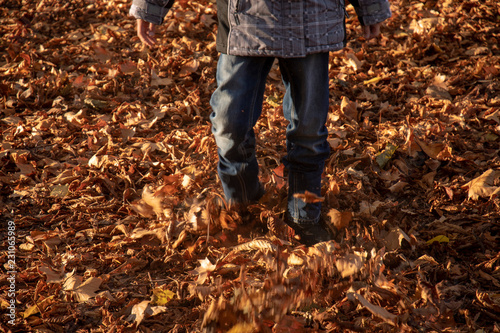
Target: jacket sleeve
point(152, 11)
point(371, 11)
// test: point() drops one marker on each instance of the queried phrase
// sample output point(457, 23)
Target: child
point(251, 34)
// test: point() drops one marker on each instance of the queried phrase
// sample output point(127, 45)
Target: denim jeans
point(237, 105)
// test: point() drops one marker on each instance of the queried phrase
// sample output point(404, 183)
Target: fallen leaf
point(394, 239)
point(353, 61)
point(368, 209)
point(384, 157)
point(157, 81)
point(349, 109)
point(205, 269)
point(138, 312)
point(439, 239)
point(340, 220)
point(41, 305)
point(432, 149)
point(376, 310)
point(161, 296)
point(438, 92)
point(60, 191)
point(82, 291)
point(189, 67)
point(482, 186)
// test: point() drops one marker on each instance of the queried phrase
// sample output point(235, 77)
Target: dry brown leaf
point(295, 260)
point(353, 61)
point(438, 92)
point(189, 67)
point(54, 277)
point(82, 291)
point(138, 312)
point(349, 109)
point(425, 260)
point(368, 209)
point(278, 176)
point(367, 96)
point(394, 239)
point(376, 310)
point(157, 81)
point(203, 271)
point(340, 220)
point(482, 186)
point(428, 179)
point(398, 187)
point(432, 149)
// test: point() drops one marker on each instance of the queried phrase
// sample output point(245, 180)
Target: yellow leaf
point(273, 101)
point(42, 305)
point(30, 311)
point(372, 81)
point(162, 297)
point(384, 157)
point(440, 239)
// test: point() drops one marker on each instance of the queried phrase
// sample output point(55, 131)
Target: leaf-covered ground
point(108, 173)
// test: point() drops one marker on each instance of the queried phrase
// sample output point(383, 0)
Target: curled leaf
point(308, 197)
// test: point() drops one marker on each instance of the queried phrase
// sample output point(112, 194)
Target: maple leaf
point(82, 291)
point(205, 269)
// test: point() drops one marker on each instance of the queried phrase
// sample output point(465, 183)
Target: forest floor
point(110, 203)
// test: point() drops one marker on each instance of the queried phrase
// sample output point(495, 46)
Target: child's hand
point(371, 31)
point(146, 32)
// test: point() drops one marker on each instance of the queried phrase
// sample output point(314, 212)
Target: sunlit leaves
point(108, 168)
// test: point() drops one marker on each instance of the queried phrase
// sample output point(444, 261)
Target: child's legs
point(305, 106)
point(237, 105)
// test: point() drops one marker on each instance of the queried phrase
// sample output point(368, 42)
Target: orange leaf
point(308, 197)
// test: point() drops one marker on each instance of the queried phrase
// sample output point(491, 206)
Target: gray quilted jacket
point(280, 28)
